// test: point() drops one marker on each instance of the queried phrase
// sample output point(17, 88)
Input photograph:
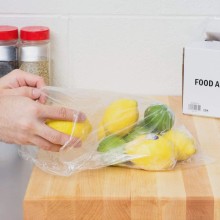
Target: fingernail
point(36, 93)
point(81, 116)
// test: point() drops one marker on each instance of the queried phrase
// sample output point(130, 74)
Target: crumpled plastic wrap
point(122, 130)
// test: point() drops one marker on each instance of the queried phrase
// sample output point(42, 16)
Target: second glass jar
point(34, 51)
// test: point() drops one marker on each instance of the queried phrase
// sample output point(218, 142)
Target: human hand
point(22, 121)
point(21, 83)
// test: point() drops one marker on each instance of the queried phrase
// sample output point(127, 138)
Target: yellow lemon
point(120, 117)
point(79, 129)
point(184, 145)
point(157, 151)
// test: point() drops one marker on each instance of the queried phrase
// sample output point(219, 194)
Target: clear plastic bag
point(122, 130)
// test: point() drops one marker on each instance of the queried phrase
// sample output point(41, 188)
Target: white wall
point(130, 46)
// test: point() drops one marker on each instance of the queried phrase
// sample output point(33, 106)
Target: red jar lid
point(8, 32)
point(35, 33)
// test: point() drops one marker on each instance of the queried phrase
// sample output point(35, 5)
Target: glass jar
point(34, 51)
point(8, 49)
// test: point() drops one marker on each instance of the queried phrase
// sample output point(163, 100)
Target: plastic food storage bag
point(122, 130)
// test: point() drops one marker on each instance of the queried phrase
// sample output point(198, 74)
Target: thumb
point(32, 93)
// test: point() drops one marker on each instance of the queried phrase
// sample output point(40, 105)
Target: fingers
point(56, 137)
point(29, 92)
point(61, 113)
point(44, 144)
point(18, 78)
point(48, 146)
point(22, 78)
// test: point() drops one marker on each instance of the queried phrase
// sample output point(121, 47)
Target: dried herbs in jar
point(35, 51)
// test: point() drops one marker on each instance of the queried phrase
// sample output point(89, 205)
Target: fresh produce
point(138, 130)
point(152, 141)
point(158, 118)
point(110, 142)
point(184, 145)
point(76, 129)
point(157, 151)
point(120, 117)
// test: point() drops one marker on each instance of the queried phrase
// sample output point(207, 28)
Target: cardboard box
point(201, 79)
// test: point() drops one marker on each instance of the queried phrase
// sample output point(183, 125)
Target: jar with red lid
point(34, 51)
point(8, 49)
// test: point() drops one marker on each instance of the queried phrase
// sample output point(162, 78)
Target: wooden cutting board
point(120, 193)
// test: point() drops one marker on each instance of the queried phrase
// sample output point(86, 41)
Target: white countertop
point(14, 177)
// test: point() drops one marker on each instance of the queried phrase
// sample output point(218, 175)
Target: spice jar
point(8, 49)
point(35, 51)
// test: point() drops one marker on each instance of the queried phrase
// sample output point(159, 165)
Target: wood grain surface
point(120, 193)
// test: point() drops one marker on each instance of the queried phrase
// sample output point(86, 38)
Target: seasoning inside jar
point(8, 49)
point(35, 51)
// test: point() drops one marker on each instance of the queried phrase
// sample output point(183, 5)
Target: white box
point(201, 79)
